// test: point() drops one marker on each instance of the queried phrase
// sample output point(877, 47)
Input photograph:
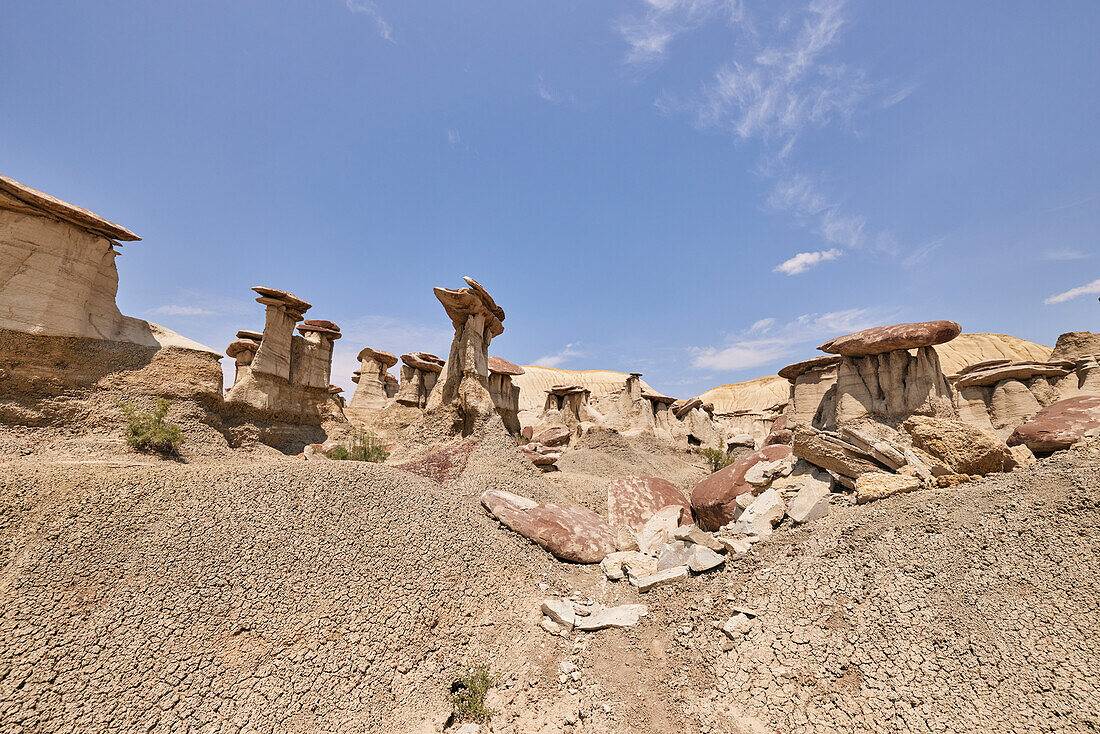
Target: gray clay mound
point(286, 596)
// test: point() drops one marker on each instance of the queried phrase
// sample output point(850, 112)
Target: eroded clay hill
point(326, 597)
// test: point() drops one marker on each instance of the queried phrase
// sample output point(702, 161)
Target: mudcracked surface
point(279, 595)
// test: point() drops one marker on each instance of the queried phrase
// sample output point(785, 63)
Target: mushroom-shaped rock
point(632, 501)
point(658, 398)
point(249, 334)
point(570, 532)
point(501, 366)
point(291, 301)
point(713, 498)
point(461, 303)
point(335, 389)
point(242, 346)
point(423, 361)
point(386, 359)
point(1060, 425)
point(320, 326)
point(793, 371)
point(882, 339)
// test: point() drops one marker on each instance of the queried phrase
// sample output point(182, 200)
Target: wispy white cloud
point(546, 94)
point(784, 80)
point(650, 33)
point(454, 137)
point(803, 261)
point(1066, 255)
point(561, 357)
point(173, 310)
point(1089, 289)
point(763, 325)
point(783, 341)
point(370, 9)
point(920, 254)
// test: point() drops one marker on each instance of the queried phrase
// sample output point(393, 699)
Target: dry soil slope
point(535, 381)
point(273, 596)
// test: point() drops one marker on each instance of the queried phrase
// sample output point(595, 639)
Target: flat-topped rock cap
point(242, 345)
point(501, 366)
point(793, 371)
point(320, 326)
point(66, 211)
point(1013, 371)
point(882, 339)
point(290, 300)
point(462, 303)
point(423, 361)
point(560, 390)
point(249, 334)
point(388, 359)
point(658, 398)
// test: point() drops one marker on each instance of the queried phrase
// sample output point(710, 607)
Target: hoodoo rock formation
point(505, 395)
point(288, 376)
point(419, 374)
point(463, 385)
point(371, 385)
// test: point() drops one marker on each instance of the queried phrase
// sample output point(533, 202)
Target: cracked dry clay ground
point(289, 596)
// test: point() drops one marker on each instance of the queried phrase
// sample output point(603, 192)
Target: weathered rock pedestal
point(463, 386)
point(505, 394)
point(288, 377)
point(567, 404)
point(879, 380)
point(243, 350)
point(371, 384)
point(419, 374)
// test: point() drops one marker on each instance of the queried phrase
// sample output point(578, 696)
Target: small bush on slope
point(717, 459)
point(150, 432)
point(469, 691)
point(362, 447)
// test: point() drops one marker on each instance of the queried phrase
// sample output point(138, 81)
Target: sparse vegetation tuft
point(468, 694)
point(717, 458)
point(362, 446)
point(150, 432)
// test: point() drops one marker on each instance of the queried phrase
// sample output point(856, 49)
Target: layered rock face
point(464, 383)
point(1074, 345)
point(60, 328)
point(287, 376)
point(505, 395)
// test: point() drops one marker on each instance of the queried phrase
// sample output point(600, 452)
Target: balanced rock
point(964, 448)
point(1060, 425)
point(793, 371)
point(713, 498)
point(632, 501)
point(882, 339)
point(995, 373)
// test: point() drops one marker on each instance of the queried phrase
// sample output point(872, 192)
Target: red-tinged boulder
point(780, 435)
point(712, 499)
point(569, 532)
point(632, 501)
point(882, 339)
point(1060, 425)
point(553, 436)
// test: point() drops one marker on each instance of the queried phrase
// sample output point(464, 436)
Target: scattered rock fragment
point(658, 530)
point(632, 501)
point(652, 581)
point(964, 448)
point(877, 485)
point(810, 503)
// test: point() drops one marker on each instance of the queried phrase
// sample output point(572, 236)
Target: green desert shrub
point(468, 694)
point(150, 432)
point(717, 458)
point(362, 446)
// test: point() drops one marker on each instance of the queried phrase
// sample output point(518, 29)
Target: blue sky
point(702, 190)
